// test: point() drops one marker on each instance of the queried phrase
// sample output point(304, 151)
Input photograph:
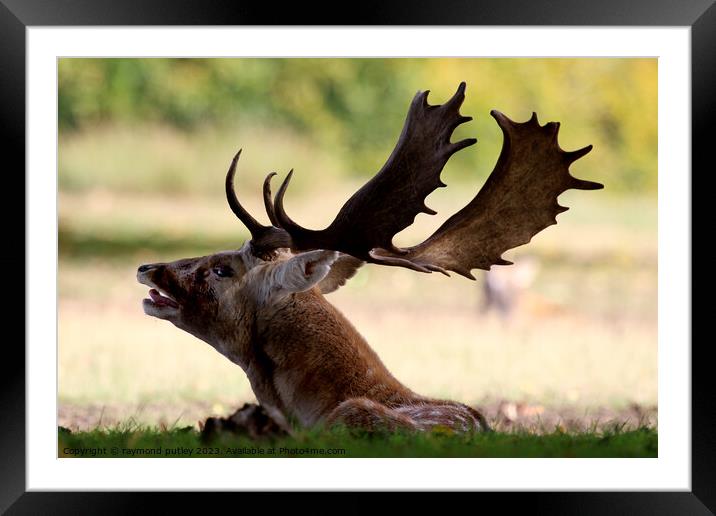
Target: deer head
point(262, 306)
point(215, 297)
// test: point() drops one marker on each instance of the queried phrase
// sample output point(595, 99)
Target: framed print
point(358, 357)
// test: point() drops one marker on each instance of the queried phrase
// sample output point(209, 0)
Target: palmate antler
point(518, 200)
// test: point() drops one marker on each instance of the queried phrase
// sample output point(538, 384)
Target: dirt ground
point(504, 416)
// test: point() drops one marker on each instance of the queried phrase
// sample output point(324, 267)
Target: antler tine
point(572, 156)
point(505, 122)
point(267, 200)
point(264, 239)
point(457, 99)
point(302, 239)
point(421, 97)
point(244, 216)
point(581, 184)
point(282, 217)
point(284, 221)
point(457, 146)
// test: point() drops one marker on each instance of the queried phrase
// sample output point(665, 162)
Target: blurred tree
point(353, 108)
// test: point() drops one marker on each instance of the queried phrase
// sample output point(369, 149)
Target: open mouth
point(157, 298)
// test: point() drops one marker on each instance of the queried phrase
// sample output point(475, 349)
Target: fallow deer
point(503, 289)
point(263, 306)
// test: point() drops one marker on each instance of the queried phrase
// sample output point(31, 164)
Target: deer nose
point(147, 267)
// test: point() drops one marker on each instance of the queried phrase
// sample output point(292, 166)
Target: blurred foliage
point(350, 111)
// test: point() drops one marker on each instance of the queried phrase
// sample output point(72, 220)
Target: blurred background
point(569, 333)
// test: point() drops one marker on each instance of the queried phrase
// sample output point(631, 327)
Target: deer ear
point(343, 269)
point(303, 271)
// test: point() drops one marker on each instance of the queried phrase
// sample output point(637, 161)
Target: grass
point(128, 441)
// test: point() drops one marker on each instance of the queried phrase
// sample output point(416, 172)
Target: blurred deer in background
point(504, 288)
point(263, 306)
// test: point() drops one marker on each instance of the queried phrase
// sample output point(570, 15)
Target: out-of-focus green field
point(584, 335)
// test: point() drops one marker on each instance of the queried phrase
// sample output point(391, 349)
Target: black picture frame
point(17, 15)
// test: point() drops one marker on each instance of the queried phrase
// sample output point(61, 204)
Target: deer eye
point(223, 271)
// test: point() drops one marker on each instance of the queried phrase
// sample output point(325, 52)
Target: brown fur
point(303, 358)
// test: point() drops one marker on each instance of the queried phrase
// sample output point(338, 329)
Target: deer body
point(263, 306)
point(304, 360)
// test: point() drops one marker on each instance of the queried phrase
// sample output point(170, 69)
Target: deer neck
point(306, 358)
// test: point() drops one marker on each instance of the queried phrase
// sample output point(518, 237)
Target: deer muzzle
point(160, 303)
